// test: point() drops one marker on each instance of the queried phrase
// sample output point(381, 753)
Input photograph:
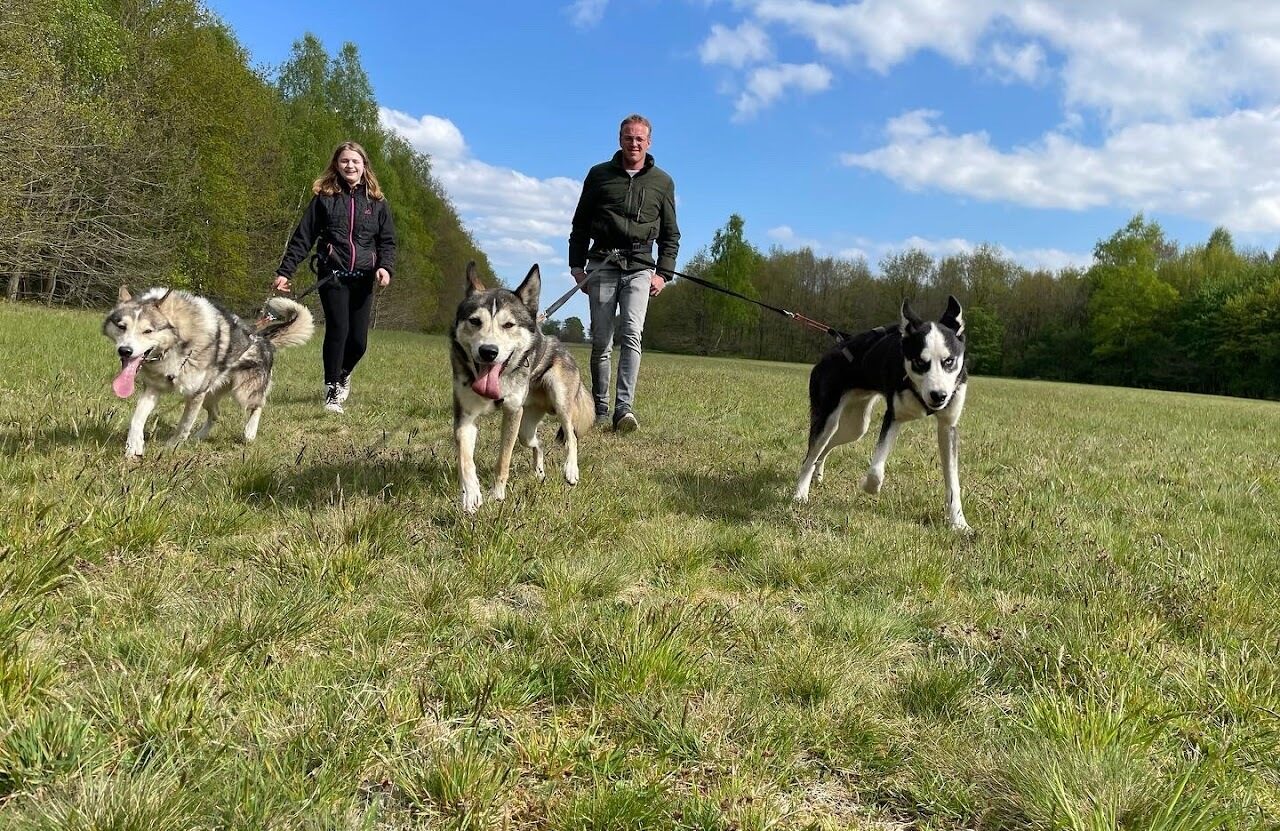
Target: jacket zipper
point(351, 232)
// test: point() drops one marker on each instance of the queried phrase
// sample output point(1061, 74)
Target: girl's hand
point(384, 277)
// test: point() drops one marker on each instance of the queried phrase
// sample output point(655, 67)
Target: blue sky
point(854, 128)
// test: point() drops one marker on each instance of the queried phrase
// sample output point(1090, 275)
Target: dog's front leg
point(888, 433)
point(510, 429)
point(949, 454)
point(194, 404)
point(464, 433)
point(137, 425)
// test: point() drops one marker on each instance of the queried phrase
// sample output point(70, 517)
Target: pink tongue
point(487, 384)
point(123, 385)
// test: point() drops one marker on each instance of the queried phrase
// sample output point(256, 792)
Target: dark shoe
point(602, 422)
point(625, 423)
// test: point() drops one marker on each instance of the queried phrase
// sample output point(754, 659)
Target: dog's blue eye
point(947, 363)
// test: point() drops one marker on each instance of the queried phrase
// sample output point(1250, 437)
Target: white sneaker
point(344, 389)
point(332, 403)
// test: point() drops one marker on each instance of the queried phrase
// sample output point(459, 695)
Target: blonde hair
point(330, 182)
point(635, 118)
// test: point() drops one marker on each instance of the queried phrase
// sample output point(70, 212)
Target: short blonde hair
point(635, 118)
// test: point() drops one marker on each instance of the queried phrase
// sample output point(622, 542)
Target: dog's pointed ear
point(530, 289)
point(953, 317)
point(162, 298)
point(125, 296)
point(473, 279)
point(909, 318)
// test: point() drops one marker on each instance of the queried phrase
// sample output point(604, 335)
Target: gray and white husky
point(918, 368)
point(177, 342)
point(502, 361)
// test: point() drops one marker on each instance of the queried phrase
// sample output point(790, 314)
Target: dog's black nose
point(937, 398)
point(124, 351)
point(488, 353)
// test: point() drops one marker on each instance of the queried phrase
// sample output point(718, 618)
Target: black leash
point(311, 264)
point(803, 320)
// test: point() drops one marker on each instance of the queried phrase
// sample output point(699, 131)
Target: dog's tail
point(287, 322)
point(582, 412)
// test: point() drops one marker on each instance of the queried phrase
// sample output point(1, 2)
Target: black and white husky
point(176, 342)
point(502, 361)
point(918, 368)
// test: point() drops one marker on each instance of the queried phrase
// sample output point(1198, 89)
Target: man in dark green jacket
point(627, 205)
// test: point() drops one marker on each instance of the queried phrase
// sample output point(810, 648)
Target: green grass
point(307, 633)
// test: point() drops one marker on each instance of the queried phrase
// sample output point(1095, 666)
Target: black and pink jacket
point(350, 231)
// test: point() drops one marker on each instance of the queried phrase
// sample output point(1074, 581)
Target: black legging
point(347, 302)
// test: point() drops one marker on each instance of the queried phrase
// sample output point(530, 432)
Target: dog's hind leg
point(211, 416)
point(137, 425)
point(888, 433)
point(854, 420)
point(251, 424)
point(194, 404)
point(821, 432)
point(529, 438)
point(510, 429)
point(949, 454)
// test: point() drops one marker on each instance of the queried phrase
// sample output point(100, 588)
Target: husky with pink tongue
point(503, 362)
point(177, 342)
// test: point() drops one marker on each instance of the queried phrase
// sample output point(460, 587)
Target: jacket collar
point(648, 162)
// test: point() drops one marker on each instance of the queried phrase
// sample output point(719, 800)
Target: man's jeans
point(617, 299)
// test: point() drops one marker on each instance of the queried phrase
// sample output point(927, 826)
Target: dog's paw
point(540, 471)
point(471, 501)
point(133, 451)
point(498, 493)
point(800, 497)
point(871, 483)
point(959, 525)
point(571, 474)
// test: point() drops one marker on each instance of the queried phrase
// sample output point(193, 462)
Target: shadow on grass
point(735, 495)
point(98, 433)
point(326, 483)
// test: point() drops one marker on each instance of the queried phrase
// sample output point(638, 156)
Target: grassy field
point(307, 633)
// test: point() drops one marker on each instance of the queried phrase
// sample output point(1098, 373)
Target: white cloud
point(438, 137)
point(767, 84)
point(786, 237)
point(883, 32)
point(1218, 169)
point(1128, 60)
point(1025, 63)
point(738, 47)
point(1052, 259)
point(515, 218)
point(587, 13)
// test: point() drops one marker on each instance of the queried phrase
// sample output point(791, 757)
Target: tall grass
point(307, 632)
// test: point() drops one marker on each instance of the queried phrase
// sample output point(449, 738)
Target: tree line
point(142, 146)
point(1147, 313)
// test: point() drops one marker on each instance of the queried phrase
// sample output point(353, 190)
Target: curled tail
point(582, 412)
point(286, 322)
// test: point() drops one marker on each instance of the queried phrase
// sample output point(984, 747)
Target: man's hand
point(577, 274)
point(656, 285)
point(384, 277)
point(281, 283)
